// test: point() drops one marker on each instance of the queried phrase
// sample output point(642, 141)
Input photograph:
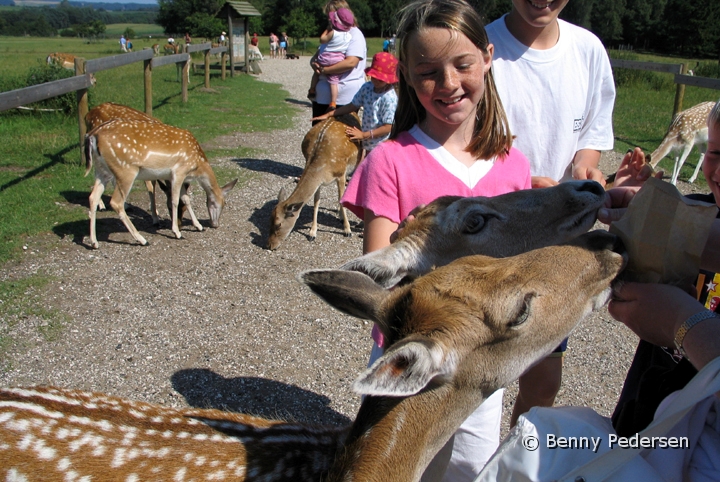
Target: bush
point(44, 73)
point(639, 78)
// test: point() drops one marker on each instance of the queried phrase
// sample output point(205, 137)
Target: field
point(39, 153)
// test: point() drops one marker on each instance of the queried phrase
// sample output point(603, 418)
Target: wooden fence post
point(82, 107)
point(679, 92)
point(147, 68)
point(207, 69)
point(185, 79)
point(223, 61)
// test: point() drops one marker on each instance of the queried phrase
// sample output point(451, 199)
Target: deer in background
point(66, 61)
point(688, 128)
point(109, 110)
point(329, 157)
point(129, 150)
point(456, 335)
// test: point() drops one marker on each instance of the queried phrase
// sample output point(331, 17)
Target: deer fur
point(688, 129)
point(456, 335)
point(126, 150)
point(451, 227)
point(110, 110)
point(66, 61)
point(329, 157)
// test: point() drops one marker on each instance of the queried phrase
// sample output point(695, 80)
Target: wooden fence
point(84, 79)
point(680, 77)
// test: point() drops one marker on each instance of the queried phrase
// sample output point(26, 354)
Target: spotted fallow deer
point(110, 110)
point(688, 128)
point(456, 335)
point(128, 150)
point(329, 157)
point(66, 61)
point(451, 227)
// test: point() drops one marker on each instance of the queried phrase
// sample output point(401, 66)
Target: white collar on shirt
point(470, 176)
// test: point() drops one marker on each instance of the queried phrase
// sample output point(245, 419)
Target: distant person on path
point(335, 41)
point(354, 64)
point(283, 45)
point(187, 39)
point(386, 44)
point(123, 44)
point(274, 45)
point(223, 39)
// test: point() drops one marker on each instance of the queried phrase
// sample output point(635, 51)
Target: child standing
point(335, 42)
point(378, 101)
point(450, 137)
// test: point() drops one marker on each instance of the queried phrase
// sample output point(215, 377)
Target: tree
point(204, 25)
point(175, 15)
point(300, 24)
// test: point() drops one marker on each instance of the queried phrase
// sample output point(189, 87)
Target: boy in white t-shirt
point(335, 42)
point(556, 85)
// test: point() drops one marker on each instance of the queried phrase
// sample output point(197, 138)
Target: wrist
point(688, 324)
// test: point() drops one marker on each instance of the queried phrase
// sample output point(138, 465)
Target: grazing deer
point(129, 150)
point(456, 336)
point(452, 226)
point(156, 49)
point(109, 110)
point(66, 61)
point(329, 156)
point(688, 128)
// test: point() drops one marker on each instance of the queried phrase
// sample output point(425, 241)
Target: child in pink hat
point(335, 41)
point(378, 100)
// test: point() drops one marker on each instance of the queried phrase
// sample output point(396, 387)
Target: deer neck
point(306, 187)
point(207, 181)
point(396, 438)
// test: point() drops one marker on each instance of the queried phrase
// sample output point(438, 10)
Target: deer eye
point(473, 223)
point(524, 312)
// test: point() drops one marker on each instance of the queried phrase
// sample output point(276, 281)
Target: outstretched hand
point(354, 133)
point(634, 170)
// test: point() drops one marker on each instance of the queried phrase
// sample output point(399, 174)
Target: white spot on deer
point(14, 476)
point(63, 464)
point(180, 474)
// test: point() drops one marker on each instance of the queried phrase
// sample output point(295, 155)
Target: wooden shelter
point(237, 12)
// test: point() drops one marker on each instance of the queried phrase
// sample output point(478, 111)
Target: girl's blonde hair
point(714, 117)
point(492, 136)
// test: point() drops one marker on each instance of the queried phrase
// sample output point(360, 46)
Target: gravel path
point(215, 320)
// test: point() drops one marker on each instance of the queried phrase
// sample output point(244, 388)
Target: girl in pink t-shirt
point(450, 137)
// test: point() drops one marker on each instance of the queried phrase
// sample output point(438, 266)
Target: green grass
point(140, 29)
point(42, 188)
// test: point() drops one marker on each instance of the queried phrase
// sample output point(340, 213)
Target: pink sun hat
point(384, 67)
point(342, 19)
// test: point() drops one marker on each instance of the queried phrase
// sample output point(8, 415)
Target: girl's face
point(379, 85)
point(447, 72)
point(711, 161)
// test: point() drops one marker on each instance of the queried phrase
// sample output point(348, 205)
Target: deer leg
point(150, 185)
point(316, 208)
point(176, 187)
point(117, 202)
point(95, 199)
point(185, 197)
point(679, 163)
point(697, 168)
point(343, 213)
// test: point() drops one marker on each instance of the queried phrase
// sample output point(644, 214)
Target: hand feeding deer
point(507, 313)
point(688, 128)
point(109, 110)
point(129, 150)
point(329, 156)
point(437, 369)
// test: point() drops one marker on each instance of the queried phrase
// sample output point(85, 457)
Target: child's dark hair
point(492, 136)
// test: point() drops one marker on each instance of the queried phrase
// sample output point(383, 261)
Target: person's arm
point(585, 166)
point(655, 312)
point(327, 35)
point(356, 134)
point(345, 65)
point(377, 231)
point(345, 109)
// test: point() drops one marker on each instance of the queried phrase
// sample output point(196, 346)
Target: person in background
point(254, 41)
point(335, 41)
point(187, 39)
point(386, 44)
point(450, 136)
point(223, 39)
point(556, 85)
point(274, 45)
point(353, 65)
point(284, 44)
point(378, 100)
point(123, 43)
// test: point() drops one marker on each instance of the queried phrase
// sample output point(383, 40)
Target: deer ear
point(282, 195)
point(351, 292)
point(227, 187)
point(405, 370)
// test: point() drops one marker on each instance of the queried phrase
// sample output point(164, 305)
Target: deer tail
point(90, 147)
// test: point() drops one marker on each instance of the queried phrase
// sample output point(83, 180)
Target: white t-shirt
point(339, 42)
point(350, 83)
point(563, 101)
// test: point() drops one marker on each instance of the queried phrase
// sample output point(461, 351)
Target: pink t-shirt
point(401, 174)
